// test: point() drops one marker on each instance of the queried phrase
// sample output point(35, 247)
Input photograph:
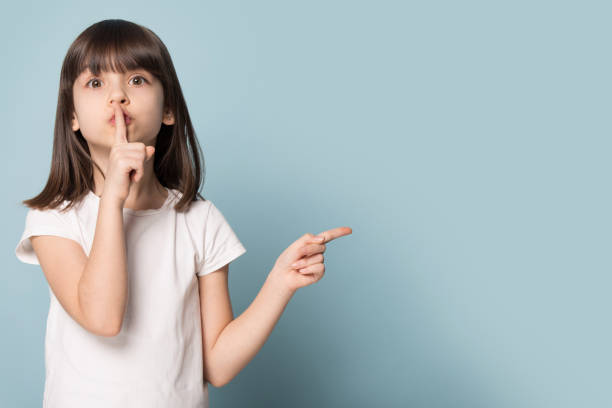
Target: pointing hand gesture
point(301, 264)
point(125, 162)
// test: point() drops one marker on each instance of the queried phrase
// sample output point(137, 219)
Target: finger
point(311, 260)
point(138, 174)
point(135, 155)
point(120, 132)
point(301, 241)
point(296, 248)
point(136, 169)
point(135, 175)
point(309, 250)
point(317, 270)
point(332, 234)
point(150, 152)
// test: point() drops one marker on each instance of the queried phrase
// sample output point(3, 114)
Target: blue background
point(466, 143)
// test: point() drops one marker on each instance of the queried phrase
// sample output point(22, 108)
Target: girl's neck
point(147, 194)
point(144, 199)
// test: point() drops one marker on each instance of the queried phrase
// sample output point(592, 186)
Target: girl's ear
point(168, 118)
point(75, 123)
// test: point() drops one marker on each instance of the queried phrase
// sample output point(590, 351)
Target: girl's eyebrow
point(87, 72)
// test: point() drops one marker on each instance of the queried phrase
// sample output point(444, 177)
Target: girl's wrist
point(109, 200)
point(277, 280)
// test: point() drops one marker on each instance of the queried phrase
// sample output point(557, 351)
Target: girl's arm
point(90, 289)
point(244, 336)
point(301, 264)
point(102, 289)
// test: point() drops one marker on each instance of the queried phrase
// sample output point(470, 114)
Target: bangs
point(117, 60)
point(119, 49)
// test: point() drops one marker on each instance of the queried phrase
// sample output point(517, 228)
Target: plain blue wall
point(466, 143)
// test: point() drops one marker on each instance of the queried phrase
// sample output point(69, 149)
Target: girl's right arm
point(93, 290)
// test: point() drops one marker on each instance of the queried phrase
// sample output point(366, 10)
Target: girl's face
point(140, 95)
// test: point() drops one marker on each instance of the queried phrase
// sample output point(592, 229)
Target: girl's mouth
point(126, 118)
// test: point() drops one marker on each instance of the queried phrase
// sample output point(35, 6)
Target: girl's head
point(126, 63)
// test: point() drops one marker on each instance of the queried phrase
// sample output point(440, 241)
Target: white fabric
point(156, 359)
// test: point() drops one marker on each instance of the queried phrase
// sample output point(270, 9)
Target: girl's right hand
point(125, 162)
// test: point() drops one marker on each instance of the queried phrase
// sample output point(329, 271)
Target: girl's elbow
point(103, 330)
point(217, 382)
point(213, 383)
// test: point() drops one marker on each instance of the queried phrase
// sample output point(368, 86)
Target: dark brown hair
point(120, 46)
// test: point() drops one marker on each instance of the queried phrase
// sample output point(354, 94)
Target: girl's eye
point(139, 79)
point(91, 81)
point(142, 79)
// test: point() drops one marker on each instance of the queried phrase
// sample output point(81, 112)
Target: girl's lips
point(126, 118)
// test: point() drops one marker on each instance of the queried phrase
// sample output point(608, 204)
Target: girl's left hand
point(301, 264)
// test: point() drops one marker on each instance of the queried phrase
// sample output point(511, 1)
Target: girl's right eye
point(90, 81)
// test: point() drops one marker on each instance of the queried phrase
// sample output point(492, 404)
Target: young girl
point(136, 259)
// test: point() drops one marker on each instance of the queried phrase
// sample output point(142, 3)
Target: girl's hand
point(126, 161)
point(301, 264)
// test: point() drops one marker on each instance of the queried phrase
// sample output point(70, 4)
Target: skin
point(240, 339)
point(302, 263)
point(141, 96)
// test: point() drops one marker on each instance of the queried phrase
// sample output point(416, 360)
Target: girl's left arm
point(244, 336)
point(301, 264)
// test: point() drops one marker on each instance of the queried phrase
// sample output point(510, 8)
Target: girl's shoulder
point(198, 207)
point(48, 221)
point(64, 211)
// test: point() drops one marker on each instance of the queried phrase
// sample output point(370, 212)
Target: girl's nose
point(118, 95)
point(122, 100)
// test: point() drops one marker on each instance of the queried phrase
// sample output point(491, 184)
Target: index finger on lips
point(120, 132)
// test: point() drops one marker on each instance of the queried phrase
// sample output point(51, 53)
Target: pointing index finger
point(120, 132)
point(332, 234)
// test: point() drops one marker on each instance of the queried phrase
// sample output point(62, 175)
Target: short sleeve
point(221, 245)
point(42, 222)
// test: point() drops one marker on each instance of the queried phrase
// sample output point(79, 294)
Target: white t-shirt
point(156, 360)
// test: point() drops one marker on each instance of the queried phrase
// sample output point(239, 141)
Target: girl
point(136, 259)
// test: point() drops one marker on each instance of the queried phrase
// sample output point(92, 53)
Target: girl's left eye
point(97, 80)
point(141, 77)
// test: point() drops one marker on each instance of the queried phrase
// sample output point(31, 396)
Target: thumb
point(303, 241)
point(150, 152)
